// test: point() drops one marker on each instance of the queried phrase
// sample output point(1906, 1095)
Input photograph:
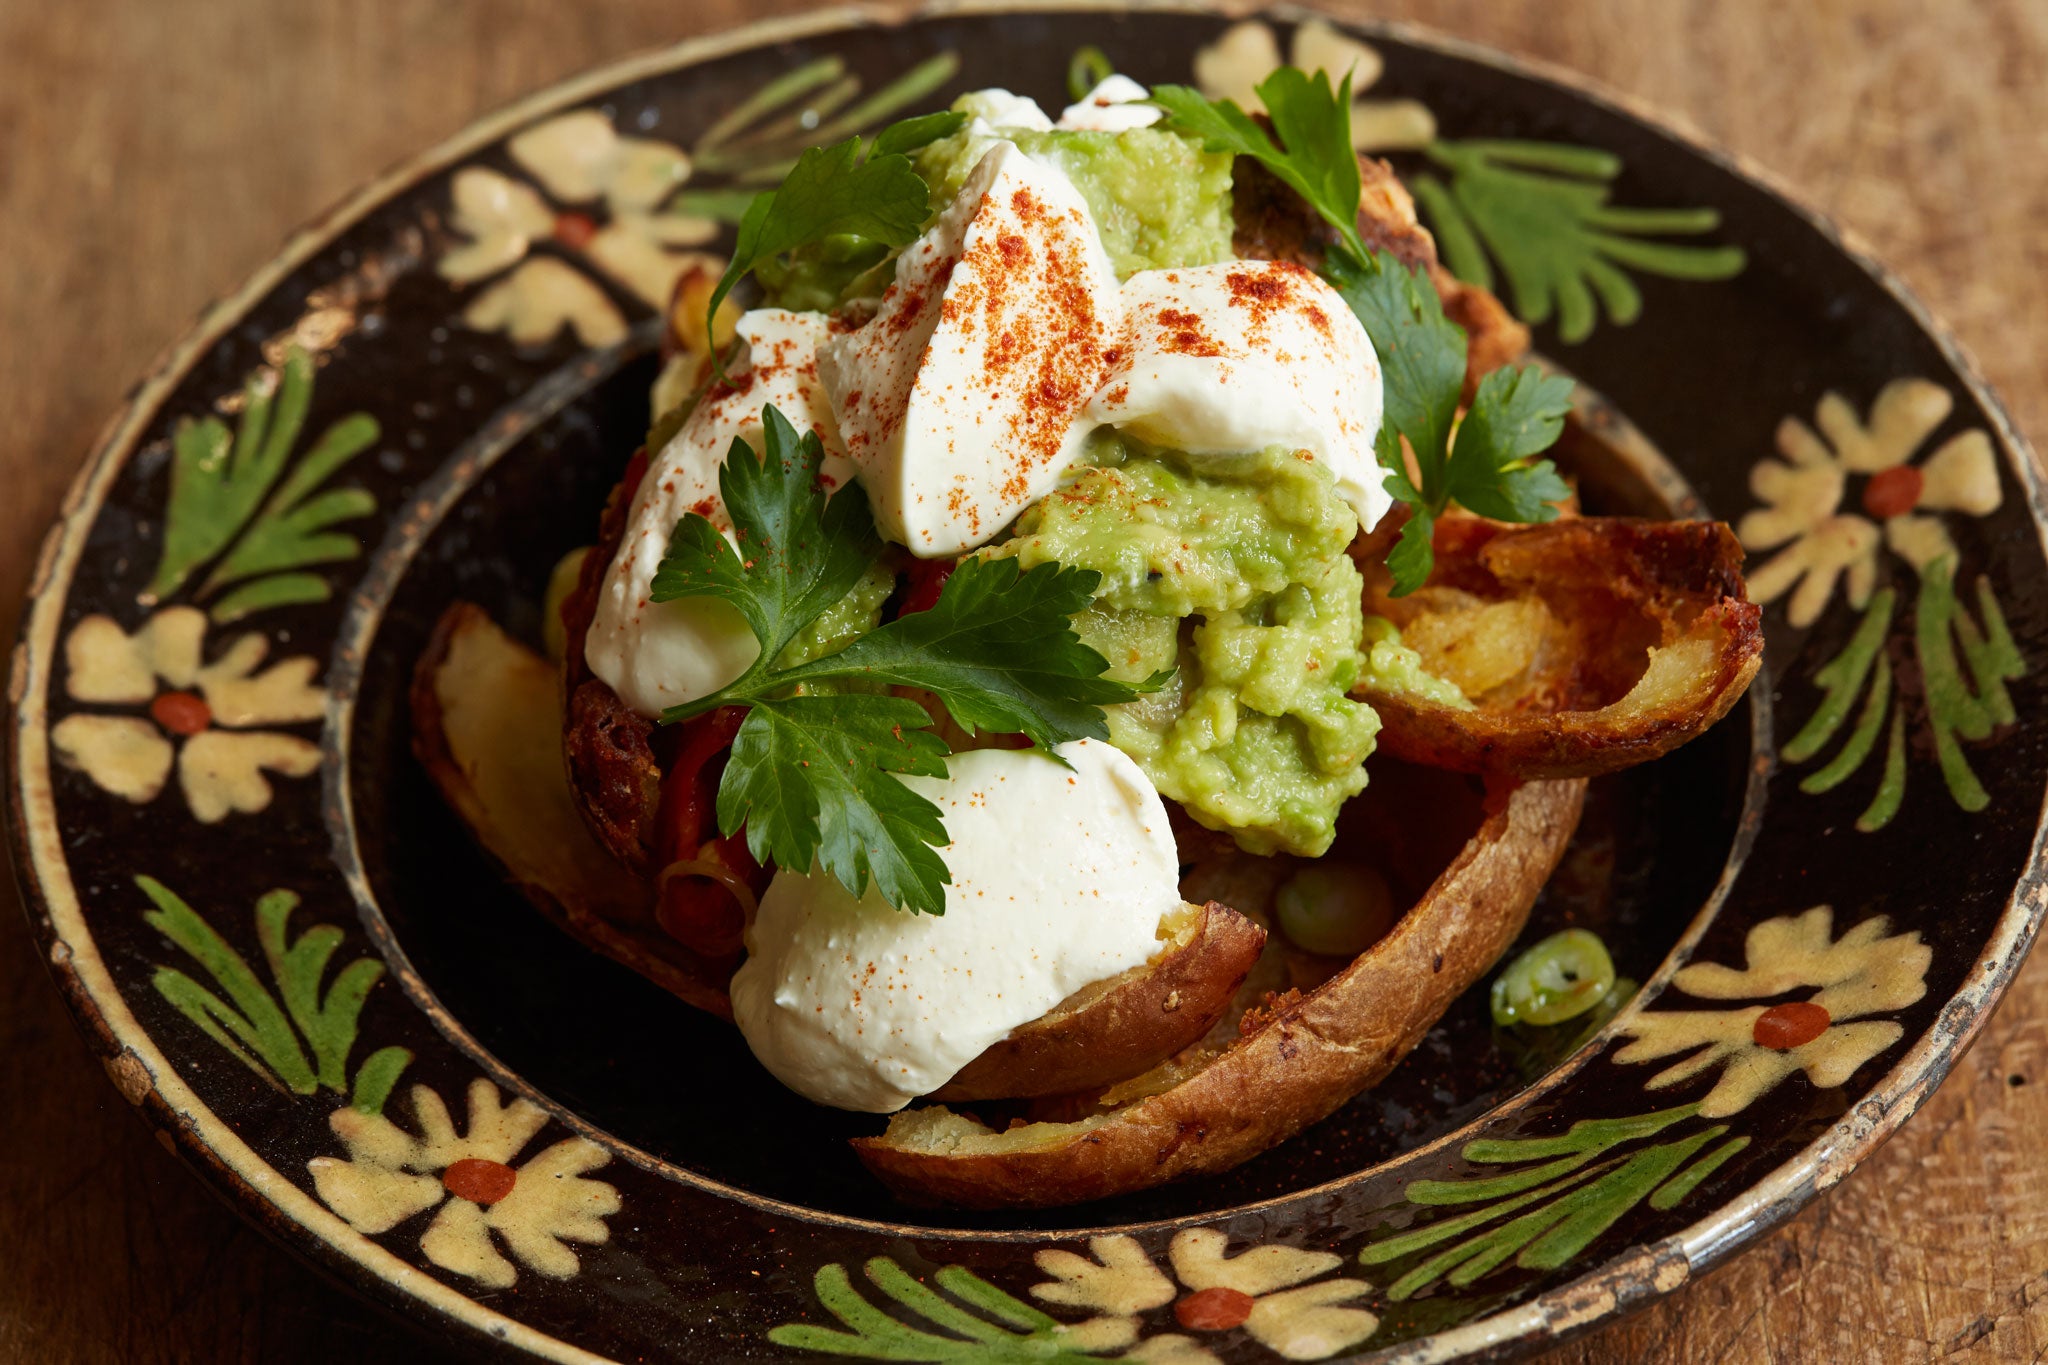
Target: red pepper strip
point(698, 912)
point(927, 577)
point(686, 798)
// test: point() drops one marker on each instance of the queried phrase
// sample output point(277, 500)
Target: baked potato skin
point(1106, 1035)
point(1619, 588)
point(484, 710)
point(1303, 1058)
point(614, 771)
point(484, 714)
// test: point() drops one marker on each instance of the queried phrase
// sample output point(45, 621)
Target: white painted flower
point(202, 717)
point(1803, 492)
point(534, 1210)
point(1828, 1035)
point(1266, 1290)
point(579, 159)
point(1233, 65)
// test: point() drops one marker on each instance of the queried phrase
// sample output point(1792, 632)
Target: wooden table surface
point(153, 152)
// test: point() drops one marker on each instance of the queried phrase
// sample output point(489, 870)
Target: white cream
point(1060, 879)
point(1115, 105)
point(1220, 359)
point(661, 654)
point(958, 400)
point(997, 108)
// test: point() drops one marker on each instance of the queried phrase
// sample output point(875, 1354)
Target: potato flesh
point(1477, 645)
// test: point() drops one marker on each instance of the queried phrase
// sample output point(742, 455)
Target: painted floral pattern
point(489, 1212)
point(209, 719)
point(583, 163)
point(1247, 53)
point(1539, 1202)
point(1865, 972)
point(1903, 499)
point(1818, 544)
point(1539, 211)
point(1276, 1294)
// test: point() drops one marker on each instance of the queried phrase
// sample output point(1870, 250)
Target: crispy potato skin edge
point(670, 967)
point(1129, 1029)
point(1662, 564)
point(1314, 1054)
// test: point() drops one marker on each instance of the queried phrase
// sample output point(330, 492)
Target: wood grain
point(152, 152)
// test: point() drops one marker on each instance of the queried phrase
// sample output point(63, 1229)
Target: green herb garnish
point(1482, 462)
point(812, 777)
point(836, 190)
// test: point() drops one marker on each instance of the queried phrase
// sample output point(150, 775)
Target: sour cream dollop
point(1221, 359)
point(1117, 103)
point(661, 654)
point(958, 400)
point(1060, 880)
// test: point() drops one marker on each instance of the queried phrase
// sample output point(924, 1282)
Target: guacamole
point(1391, 666)
point(1158, 199)
point(1231, 570)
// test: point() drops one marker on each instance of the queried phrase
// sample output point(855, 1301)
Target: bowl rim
point(145, 1076)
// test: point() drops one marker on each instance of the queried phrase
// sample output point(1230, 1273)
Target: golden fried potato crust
point(1635, 637)
point(1298, 1056)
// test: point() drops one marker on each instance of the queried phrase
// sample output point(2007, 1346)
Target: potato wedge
point(487, 719)
point(1296, 1059)
point(1127, 1024)
point(1586, 645)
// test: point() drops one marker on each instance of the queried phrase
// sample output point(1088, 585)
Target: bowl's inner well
point(640, 1064)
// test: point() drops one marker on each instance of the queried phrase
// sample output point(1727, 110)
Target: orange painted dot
point(1214, 1310)
point(1794, 1024)
point(479, 1181)
point(182, 713)
point(1893, 492)
point(575, 230)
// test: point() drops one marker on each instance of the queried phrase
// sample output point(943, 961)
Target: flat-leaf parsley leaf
point(1515, 414)
point(813, 776)
point(835, 190)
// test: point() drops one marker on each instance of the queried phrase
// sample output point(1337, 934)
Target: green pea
point(1557, 979)
point(1335, 908)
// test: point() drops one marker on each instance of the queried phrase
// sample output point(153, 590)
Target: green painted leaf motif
point(979, 1324)
point(327, 1022)
point(250, 1014)
point(247, 497)
point(272, 590)
point(376, 1078)
point(1578, 1188)
point(1540, 210)
point(255, 1024)
point(1965, 663)
point(819, 102)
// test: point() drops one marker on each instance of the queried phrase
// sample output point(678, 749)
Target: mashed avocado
point(1234, 569)
point(1391, 666)
point(1159, 200)
point(845, 621)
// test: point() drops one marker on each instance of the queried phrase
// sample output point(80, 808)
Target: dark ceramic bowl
point(298, 967)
